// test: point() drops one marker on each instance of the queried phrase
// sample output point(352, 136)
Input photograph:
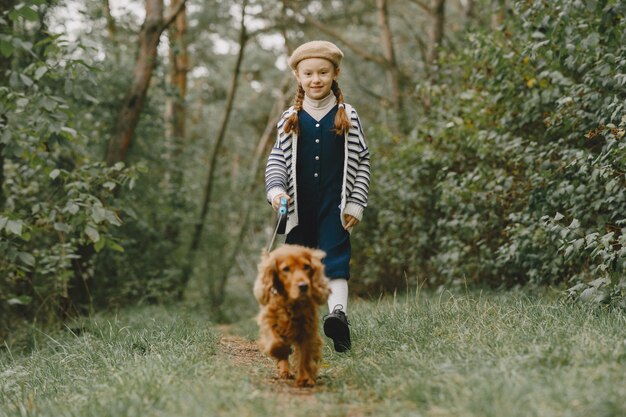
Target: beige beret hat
point(316, 49)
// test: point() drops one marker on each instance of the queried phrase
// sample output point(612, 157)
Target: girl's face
point(316, 76)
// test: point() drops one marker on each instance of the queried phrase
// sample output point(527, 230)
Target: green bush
point(527, 127)
point(57, 208)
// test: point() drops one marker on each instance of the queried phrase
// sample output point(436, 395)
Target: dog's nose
point(303, 287)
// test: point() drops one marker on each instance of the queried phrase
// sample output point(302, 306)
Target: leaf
point(113, 218)
point(575, 224)
point(69, 133)
point(22, 300)
point(576, 288)
point(588, 294)
point(72, 208)
point(6, 137)
point(14, 227)
point(54, 173)
point(98, 214)
point(591, 41)
point(92, 234)
point(597, 283)
point(91, 98)
point(109, 185)
point(40, 72)
point(3, 222)
point(558, 216)
point(29, 14)
point(26, 258)
point(606, 239)
point(568, 251)
point(28, 46)
point(26, 80)
point(115, 246)
point(578, 243)
point(6, 49)
point(62, 227)
point(14, 14)
point(48, 104)
point(100, 244)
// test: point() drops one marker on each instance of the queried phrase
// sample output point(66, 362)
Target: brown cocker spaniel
point(290, 286)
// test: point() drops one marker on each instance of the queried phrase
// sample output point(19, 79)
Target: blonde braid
point(342, 121)
point(292, 121)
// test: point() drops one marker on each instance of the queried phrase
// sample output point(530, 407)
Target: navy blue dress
point(319, 176)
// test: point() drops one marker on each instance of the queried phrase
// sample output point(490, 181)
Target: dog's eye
point(306, 267)
point(285, 269)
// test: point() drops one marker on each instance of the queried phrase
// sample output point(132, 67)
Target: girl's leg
point(335, 241)
point(339, 295)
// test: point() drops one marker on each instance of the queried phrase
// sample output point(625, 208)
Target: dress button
point(317, 125)
point(315, 175)
point(317, 141)
point(317, 158)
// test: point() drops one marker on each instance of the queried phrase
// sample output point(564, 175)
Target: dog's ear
point(319, 283)
point(265, 278)
point(278, 284)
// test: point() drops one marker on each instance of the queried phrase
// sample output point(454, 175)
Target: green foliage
point(525, 123)
point(57, 207)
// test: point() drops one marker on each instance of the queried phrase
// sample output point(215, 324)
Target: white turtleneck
point(319, 108)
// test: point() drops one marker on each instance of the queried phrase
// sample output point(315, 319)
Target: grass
point(431, 355)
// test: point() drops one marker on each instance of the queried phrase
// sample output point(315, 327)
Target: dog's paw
point(285, 375)
point(305, 382)
point(283, 370)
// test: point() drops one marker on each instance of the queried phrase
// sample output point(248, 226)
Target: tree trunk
point(111, 27)
point(111, 31)
point(128, 115)
point(436, 31)
point(199, 226)
point(263, 148)
point(176, 116)
point(393, 74)
point(468, 8)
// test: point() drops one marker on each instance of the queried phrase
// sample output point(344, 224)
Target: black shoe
point(336, 327)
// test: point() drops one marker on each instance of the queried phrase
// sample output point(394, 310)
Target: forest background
point(133, 138)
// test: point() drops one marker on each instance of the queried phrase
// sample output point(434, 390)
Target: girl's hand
point(351, 221)
point(276, 201)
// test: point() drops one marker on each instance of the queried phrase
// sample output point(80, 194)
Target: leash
point(281, 222)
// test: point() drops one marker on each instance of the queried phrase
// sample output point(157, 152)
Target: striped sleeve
point(358, 163)
point(276, 176)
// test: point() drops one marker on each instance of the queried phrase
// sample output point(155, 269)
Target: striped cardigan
point(280, 171)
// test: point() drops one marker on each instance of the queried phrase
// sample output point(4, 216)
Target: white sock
point(338, 295)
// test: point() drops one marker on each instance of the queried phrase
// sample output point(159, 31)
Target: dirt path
point(245, 353)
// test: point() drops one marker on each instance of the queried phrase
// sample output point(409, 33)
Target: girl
point(321, 163)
